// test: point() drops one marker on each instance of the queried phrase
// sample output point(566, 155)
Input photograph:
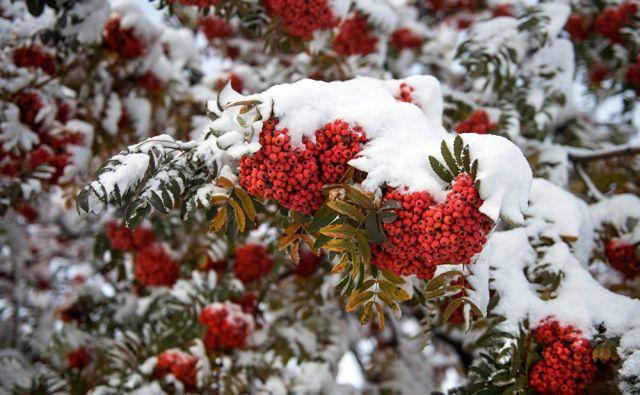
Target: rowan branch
point(580, 155)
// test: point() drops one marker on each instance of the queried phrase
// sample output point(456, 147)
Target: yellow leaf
point(295, 252)
point(286, 240)
point(239, 215)
point(396, 292)
point(394, 278)
point(356, 299)
point(338, 245)
point(343, 231)
point(453, 306)
point(347, 209)
point(340, 265)
point(217, 200)
point(247, 203)
point(358, 197)
point(219, 220)
point(294, 227)
point(367, 314)
point(224, 182)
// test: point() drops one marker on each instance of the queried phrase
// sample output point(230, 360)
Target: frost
point(14, 134)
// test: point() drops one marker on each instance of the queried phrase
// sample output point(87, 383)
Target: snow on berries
point(301, 18)
point(252, 262)
point(295, 176)
point(227, 326)
point(567, 365)
point(123, 41)
point(36, 57)
point(154, 266)
point(426, 234)
point(477, 122)
point(181, 365)
point(355, 37)
point(622, 256)
point(388, 140)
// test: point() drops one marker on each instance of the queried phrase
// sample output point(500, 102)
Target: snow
point(616, 211)
point(13, 133)
point(401, 135)
point(580, 298)
point(92, 15)
point(132, 168)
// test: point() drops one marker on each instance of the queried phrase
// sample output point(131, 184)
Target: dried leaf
point(219, 220)
point(347, 209)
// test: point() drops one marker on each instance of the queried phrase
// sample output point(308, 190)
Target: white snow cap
point(401, 136)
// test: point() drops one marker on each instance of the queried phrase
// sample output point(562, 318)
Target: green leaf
point(474, 169)
point(247, 203)
point(323, 217)
point(466, 159)
point(347, 209)
point(358, 197)
point(367, 314)
point(439, 280)
point(444, 174)
point(448, 158)
point(371, 227)
point(394, 278)
point(458, 145)
point(453, 306)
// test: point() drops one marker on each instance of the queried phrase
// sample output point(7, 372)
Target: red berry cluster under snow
point(355, 37)
point(52, 150)
point(151, 82)
point(405, 38)
point(79, 358)
point(181, 365)
point(34, 56)
point(405, 93)
point(213, 27)
point(124, 239)
point(567, 366)
point(426, 234)
point(154, 266)
point(228, 327)
point(123, 41)
point(477, 122)
point(294, 176)
point(608, 23)
point(622, 257)
point(301, 18)
point(252, 262)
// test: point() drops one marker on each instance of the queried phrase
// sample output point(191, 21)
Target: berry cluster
point(622, 257)
point(447, 6)
point(79, 358)
point(355, 37)
point(633, 73)
point(228, 327)
point(598, 73)
point(252, 262)
point(123, 239)
point(181, 365)
point(504, 9)
point(308, 262)
point(477, 122)
point(301, 18)
point(236, 83)
point(294, 176)
point(567, 366)
point(425, 234)
point(51, 150)
point(612, 19)
point(123, 41)
point(155, 267)
point(405, 38)
point(151, 82)
point(213, 27)
point(405, 93)
point(34, 56)
point(608, 23)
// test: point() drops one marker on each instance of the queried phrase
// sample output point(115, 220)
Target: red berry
point(181, 365)
point(213, 27)
point(405, 38)
point(122, 41)
point(301, 18)
point(252, 262)
point(228, 327)
point(477, 122)
point(79, 358)
point(622, 257)
point(355, 37)
point(155, 267)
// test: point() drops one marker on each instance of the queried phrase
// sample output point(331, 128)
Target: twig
point(578, 156)
point(593, 190)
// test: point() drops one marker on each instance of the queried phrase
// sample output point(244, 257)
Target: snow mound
point(401, 135)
